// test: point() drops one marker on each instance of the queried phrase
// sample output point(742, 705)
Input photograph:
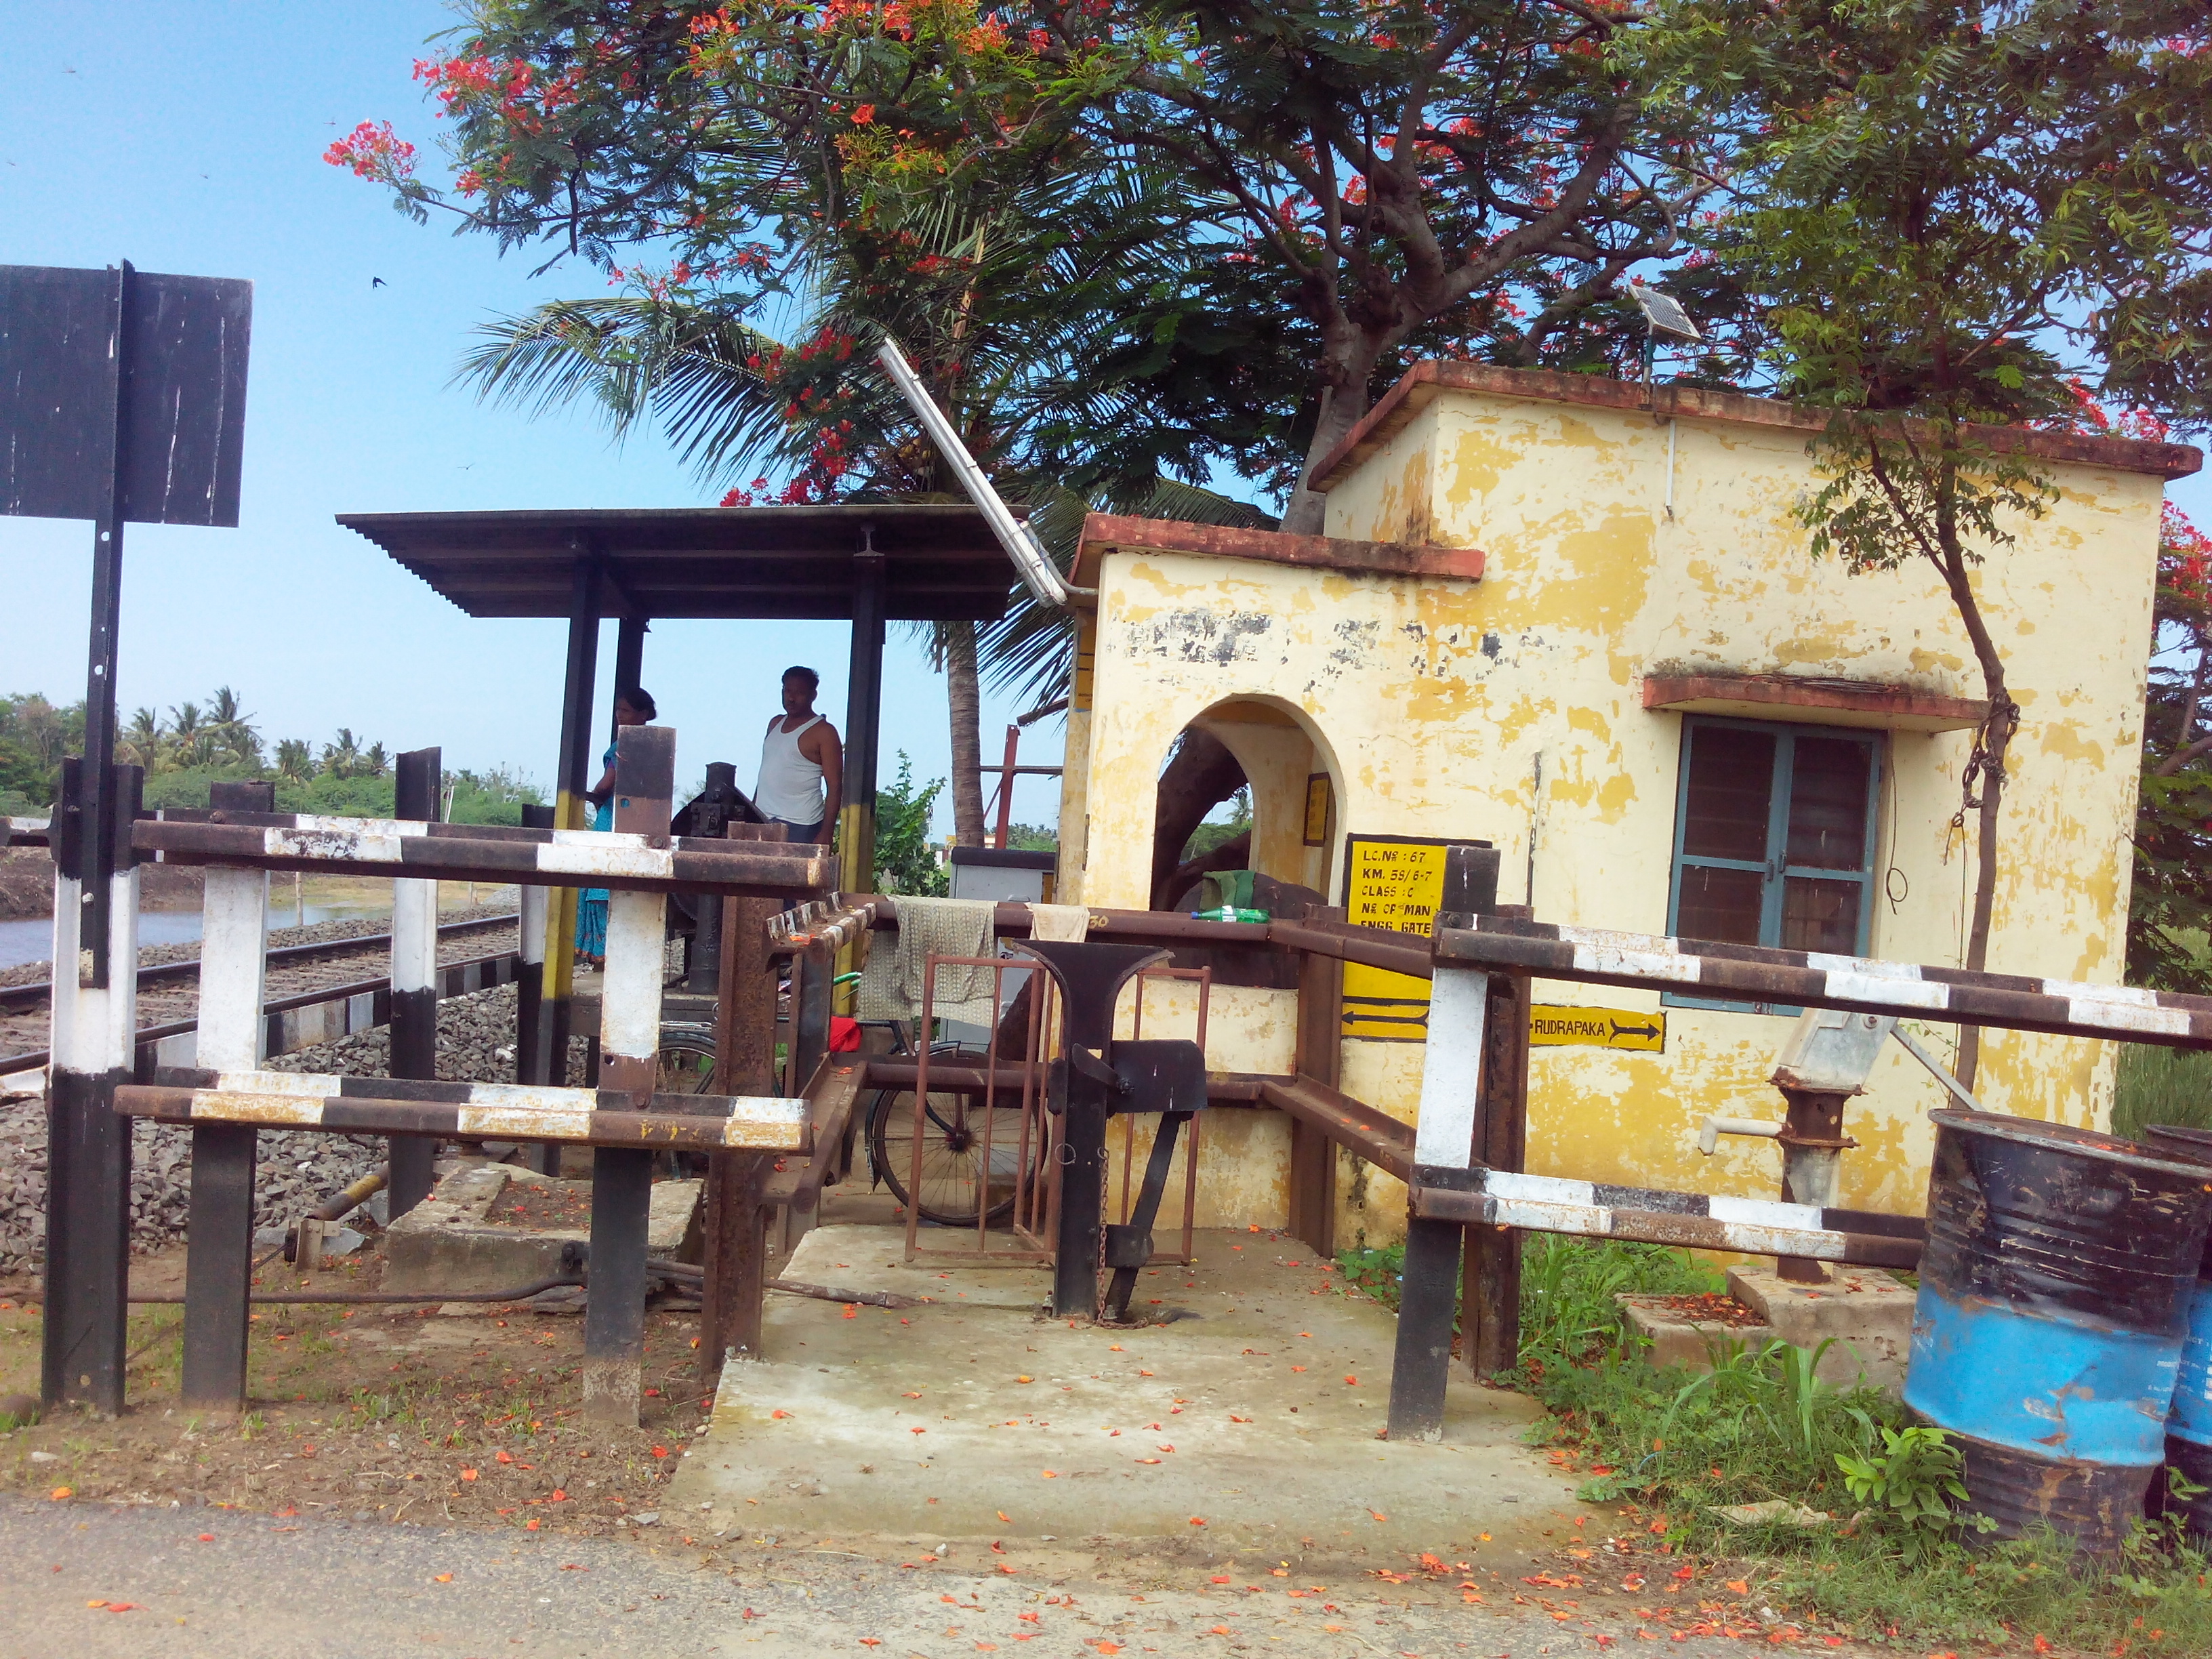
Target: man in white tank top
point(802, 769)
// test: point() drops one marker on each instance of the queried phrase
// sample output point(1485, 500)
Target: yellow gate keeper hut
point(1576, 619)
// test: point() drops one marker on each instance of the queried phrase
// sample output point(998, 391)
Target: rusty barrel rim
point(2066, 1139)
point(2068, 1220)
point(2179, 1142)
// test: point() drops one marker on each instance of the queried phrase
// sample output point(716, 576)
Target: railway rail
point(302, 978)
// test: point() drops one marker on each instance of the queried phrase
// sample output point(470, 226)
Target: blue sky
point(189, 139)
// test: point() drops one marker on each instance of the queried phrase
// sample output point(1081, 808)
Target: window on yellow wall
point(1774, 839)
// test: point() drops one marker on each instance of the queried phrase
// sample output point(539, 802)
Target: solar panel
point(1664, 313)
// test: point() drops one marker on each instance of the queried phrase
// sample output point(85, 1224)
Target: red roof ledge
point(1110, 533)
point(1421, 384)
point(1884, 704)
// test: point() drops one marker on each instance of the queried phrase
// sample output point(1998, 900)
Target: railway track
point(168, 993)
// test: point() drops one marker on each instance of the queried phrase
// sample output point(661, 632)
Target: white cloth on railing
point(890, 984)
point(1070, 923)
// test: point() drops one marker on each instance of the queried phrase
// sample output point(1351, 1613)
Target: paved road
point(260, 1588)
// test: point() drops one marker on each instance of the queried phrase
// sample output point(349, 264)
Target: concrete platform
point(465, 1237)
point(1247, 1423)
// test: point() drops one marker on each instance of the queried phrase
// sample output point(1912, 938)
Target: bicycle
point(955, 1127)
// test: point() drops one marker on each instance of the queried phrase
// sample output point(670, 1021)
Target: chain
point(1984, 763)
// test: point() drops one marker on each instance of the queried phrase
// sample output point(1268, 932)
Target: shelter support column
point(1443, 1148)
point(864, 697)
point(571, 779)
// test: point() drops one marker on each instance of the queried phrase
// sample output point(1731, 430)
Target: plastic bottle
point(1230, 913)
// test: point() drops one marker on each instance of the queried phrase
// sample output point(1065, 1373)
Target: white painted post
point(233, 956)
point(232, 1036)
point(1451, 1068)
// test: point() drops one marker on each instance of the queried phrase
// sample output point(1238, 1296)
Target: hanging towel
point(1070, 923)
point(890, 985)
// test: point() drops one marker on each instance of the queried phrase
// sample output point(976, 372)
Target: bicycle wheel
point(955, 1183)
point(687, 1064)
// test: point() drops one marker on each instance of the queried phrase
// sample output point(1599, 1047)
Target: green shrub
point(2161, 1085)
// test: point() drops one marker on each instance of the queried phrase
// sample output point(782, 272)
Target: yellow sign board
point(1394, 882)
point(1552, 1025)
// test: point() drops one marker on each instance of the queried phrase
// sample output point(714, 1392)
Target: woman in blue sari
point(632, 707)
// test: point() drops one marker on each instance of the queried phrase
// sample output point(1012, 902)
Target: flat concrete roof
point(941, 562)
point(1422, 384)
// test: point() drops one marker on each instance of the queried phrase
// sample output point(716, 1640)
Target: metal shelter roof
point(940, 560)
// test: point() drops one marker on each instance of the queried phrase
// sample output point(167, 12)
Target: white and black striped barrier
point(472, 1111)
point(1588, 1209)
point(620, 861)
point(1745, 973)
point(230, 1096)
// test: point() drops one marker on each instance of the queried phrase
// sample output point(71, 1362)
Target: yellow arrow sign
point(1552, 1025)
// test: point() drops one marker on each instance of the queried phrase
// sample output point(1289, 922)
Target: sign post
point(123, 395)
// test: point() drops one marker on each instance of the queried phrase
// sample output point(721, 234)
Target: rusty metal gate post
point(1443, 1149)
point(1490, 1297)
point(744, 1063)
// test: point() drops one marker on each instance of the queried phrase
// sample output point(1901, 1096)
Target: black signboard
point(183, 404)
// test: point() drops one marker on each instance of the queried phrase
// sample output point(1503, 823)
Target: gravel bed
point(297, 1170)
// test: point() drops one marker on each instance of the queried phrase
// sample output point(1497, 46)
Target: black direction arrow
point(1618, 1030)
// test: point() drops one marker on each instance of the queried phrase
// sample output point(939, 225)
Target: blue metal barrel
point(2054, 1299)
point(2189, 1425)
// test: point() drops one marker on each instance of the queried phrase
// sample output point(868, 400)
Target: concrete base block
point(455, 1241)
point(1867, 1312)
point(1688, 1343)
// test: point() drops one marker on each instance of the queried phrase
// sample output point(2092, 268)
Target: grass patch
point(1667, 1448)
point(1567, 1288)
point(2159, 1085)
point(1671, 1447)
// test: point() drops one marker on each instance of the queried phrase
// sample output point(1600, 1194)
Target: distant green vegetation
point(194, 746)
point(2161, 1085)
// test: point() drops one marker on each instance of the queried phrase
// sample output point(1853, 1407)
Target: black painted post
point(1428, 1295)
point(572, 777)
point(418, 778)
point(87, 1145)
point(1492, 1280)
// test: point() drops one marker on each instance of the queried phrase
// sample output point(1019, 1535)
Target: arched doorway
point(1269, 747)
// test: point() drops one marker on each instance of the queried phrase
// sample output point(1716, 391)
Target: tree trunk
point(1199, 776)
point(1342, 407)
point(1994, 741)
point(961, 693)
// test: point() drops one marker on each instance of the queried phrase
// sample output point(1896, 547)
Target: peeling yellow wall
point(1435, 705)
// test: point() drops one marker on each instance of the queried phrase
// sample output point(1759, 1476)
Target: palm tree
point(374, 763)
point(233, 727)
point(342, 756)
point(143, 740)
point(295, 759)
point(999, 291)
